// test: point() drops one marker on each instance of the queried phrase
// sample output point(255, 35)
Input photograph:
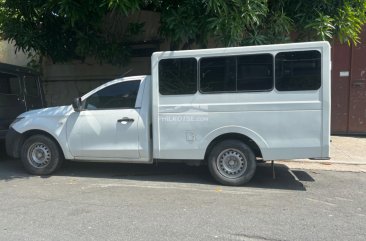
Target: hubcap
point(231, 163)
point(39, 155)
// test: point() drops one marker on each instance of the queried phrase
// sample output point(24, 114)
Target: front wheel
point(40, 155)
point(231, 162)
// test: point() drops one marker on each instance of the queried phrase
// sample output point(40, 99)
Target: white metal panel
point(51, 120)
point(98, 134)
point(285, 125)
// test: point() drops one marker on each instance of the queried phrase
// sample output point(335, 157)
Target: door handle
point(125, 119)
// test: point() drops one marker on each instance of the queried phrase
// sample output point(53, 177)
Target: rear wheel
point(40, 155)
point(231, 162)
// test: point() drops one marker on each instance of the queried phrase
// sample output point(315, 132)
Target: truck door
point(12, 101)
point(107, 128)
point(33, 96)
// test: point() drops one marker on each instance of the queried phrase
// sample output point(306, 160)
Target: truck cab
point(110, 123)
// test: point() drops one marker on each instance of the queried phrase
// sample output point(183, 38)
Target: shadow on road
point(163, 172)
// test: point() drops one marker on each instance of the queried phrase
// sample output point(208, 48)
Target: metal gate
point(349, 88)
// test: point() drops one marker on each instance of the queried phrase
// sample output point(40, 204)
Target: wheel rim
point(231, 163)
point(39, 155)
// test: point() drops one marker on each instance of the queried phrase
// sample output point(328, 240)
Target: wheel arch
point(235, 136)
point(29, 133)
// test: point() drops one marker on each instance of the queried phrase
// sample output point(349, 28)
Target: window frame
point(85, 98)
point(21, 89)
point(197, 76)
point(37, 83)
point(321, 71)
point(236, 74)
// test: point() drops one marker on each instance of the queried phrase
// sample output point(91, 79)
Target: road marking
point(343, 199)
point(244, 237)
point(323, 202)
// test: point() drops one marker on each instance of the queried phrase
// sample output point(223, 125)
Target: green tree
point(67, 29)
point(253, 22)
point(327, 19)
point(75, 29)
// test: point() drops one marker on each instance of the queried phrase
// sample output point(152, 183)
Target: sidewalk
point(348, 150)
point(346, 154)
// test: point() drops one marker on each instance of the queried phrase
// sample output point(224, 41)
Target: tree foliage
point(66, 29)
point(75, 29)
point(253, 22)
point(327, 19)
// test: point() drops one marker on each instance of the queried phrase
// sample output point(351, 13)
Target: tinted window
point(255, 72)
point(178, 76)
point(218, 74)
point(236, 73)
point(31, 85)
point(9, 84)
point(298, 71)
point(121, 95)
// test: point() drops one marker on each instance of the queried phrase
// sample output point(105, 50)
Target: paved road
point(175, 202)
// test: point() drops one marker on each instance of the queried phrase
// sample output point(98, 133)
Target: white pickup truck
point(222, 107)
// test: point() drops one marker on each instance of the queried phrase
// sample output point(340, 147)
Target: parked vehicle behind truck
point(20, 91)
point(222, 107)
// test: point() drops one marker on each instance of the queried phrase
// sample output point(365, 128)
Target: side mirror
point(77, 104)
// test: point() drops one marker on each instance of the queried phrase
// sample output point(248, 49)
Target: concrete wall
point(9, 56)
point(63, 82)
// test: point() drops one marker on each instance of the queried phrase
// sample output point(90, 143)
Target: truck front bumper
point(12, 142)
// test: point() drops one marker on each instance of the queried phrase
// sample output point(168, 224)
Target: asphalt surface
point(89, 201)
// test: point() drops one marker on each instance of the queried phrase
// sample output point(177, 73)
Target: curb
point(324, 162)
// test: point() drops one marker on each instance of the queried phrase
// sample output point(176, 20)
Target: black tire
point(232, 162)
point(40, 155)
